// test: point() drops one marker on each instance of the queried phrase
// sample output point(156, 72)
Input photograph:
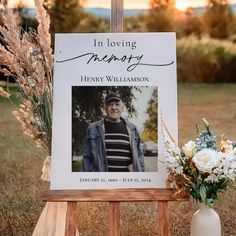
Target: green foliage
point(46, 118)
point(13, 90)
point(77, 166)
point(208, 192)
point(150, 125)
point(206, 60)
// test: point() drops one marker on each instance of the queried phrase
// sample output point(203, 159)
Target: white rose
point(233, 165)
point(189, 149)
point(205, 160)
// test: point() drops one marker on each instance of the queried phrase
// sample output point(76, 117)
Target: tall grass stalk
point(27, 56)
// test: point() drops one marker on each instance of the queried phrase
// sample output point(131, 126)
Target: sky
point(141, 3)
point(131, 4)
point(180, 4)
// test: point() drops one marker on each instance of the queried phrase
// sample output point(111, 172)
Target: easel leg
point(70, 229)
point(114, 219)
point(163, 218)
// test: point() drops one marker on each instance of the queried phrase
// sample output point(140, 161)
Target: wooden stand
point(114, 197)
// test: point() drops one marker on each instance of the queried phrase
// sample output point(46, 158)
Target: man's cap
point(112, 96)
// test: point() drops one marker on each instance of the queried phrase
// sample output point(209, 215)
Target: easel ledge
point(114, 197)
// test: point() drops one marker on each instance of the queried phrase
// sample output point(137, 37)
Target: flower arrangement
point(27, 56)
point(200, 167)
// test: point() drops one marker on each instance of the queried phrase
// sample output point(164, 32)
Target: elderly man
point(113, 144)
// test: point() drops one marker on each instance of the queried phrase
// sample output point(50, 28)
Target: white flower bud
point(189, 149)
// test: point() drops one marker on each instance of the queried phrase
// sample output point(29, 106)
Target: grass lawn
point(21, 163)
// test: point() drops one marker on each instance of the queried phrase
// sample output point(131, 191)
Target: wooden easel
point(114, 197)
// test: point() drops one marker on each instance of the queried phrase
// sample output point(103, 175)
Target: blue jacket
point(94, 156)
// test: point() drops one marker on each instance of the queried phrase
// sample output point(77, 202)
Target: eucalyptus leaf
point(193, 185)
point(203, 192)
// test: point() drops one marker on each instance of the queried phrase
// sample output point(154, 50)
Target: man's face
point(114, 109)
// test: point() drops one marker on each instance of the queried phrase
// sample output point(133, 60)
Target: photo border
point(141, 96)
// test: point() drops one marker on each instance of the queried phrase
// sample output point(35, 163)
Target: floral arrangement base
point(205, 222)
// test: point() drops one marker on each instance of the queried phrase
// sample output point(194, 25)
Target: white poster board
point(146, 61)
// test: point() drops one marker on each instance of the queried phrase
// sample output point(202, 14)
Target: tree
point(65, 15)
point(134, 23)
point(68, 16)
point(191, 24)
point(218, 19)
point(161, 3)
point(160, 16)
point(93, 24)
point(87, 107)
point(150, 125)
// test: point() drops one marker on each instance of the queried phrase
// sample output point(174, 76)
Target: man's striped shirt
point(117, 143)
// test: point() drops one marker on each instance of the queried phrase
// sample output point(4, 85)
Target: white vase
point(205, 222)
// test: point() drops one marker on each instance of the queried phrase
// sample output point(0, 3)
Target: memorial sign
point(116, 73)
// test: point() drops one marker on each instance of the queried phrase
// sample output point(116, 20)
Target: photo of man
point(112, 144)
point(114, 129)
